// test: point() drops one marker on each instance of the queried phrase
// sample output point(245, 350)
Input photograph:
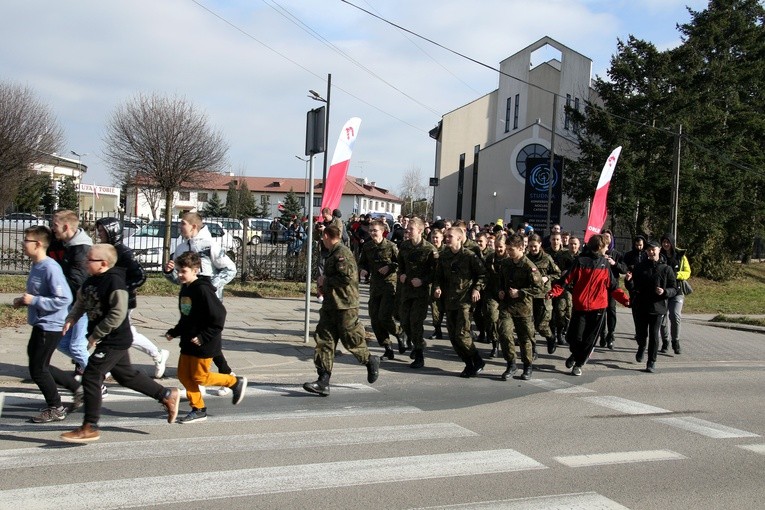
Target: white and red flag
point(341, 160)
point(599, 208)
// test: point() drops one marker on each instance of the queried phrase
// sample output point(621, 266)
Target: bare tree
point(413, 189)
point(28, 129)
point(164, 143)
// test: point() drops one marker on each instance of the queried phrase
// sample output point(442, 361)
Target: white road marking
point(583, 501)
point(158, 490)
point(756, 448)
point(381, 408)
point(166, 448)
point(557, 386)
point(705, 428)
point(601, 459)
point(625, 406)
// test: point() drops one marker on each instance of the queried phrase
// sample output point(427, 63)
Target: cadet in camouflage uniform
point(437, 305)
point(460, 276)
point(416, 264)
point(339, 314)
point(490, 295)
point(561, 304)
point(542, 304)
point(479, 309)
point(379, 261)
point(519, 281)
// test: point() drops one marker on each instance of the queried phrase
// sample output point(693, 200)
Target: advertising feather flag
point(341, 160)
point(599, 209)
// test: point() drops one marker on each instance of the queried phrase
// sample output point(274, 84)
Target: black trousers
point(42, 344)
point(583, 332)
point(649, 326)
point(116, 361)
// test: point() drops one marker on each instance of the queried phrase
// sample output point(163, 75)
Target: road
point(689, 436)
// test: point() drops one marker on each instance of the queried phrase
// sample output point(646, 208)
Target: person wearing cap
point(652, 283)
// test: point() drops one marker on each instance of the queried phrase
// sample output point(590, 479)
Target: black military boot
point(508, 373)
point(640, 352)
point(527, 369)
point(373, 368)
point(320, 386)
point(419, 359)
point(676, 346)
point(389, 354)
point(551, 345)
point(562, 334)
point(402, 346)
point(437, 333)
point(478, 364)
point(469, 370)
point(494, 344)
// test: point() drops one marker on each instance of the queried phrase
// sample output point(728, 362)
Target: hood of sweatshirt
point(80, 238)
point(113, 229)
point(670, 238)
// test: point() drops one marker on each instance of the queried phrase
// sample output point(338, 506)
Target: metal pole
point(676, 182)
point(326, 137)
point(552, 164)
point(309, 252)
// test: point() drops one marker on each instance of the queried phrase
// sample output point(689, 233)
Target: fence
point(263, 261)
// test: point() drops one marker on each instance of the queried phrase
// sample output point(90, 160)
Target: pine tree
point(215, 207)
point(30, 192)
point(232, 200)
point(291, 208)
point(246, 204)
point(67, 194)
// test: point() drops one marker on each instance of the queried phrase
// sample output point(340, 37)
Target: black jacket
point(646, 276)
point(73, 257)
point(202, 316)
point(135, 276)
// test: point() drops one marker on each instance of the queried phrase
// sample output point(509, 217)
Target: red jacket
point(590, 281)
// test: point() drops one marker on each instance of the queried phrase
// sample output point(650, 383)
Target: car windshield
point(215, 230)
point(157, 230)
point(232, 225)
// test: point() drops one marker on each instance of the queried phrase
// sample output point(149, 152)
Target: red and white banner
point(599, 208)
point(341, 160)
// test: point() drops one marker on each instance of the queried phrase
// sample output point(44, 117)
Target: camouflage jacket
point(416, 262)
point(341, 279)
point(524, 276)
point(375, 256)
point(547, 267)
point(457, 275)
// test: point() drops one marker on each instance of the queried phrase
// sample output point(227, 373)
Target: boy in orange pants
point(200, 326)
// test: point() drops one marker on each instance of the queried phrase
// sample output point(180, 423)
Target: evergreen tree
point(232, 200)
point(67, 194)
point(30, 192)
point(215, 208)
point(246, 204)
point(48, 201)
point(290, 208)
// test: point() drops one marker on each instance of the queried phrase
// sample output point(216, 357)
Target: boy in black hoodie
point(104, 297)
point(202, 319)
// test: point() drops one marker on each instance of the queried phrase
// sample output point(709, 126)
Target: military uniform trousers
point(437, 309)
point(458, 325)
point(562, 309)
point(343, 326)
point(382, 303)
point(413, 313)
point(542, 316)
point(491, 316)
point(509, 325)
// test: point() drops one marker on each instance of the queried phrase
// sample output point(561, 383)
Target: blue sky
point(250, 71)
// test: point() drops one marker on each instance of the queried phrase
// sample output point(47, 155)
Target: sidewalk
point(264, 339)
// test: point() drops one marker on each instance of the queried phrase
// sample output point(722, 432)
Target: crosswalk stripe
point(705, 428)
point(557, 386)
point(601, 459)
point(166, 448)
point(756, 448)
point(624, 405)
point(581, 501)
point(157, 490)
point(366, 409)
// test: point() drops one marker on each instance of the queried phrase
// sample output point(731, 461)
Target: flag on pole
point(599, 209)
point(95, 190)
point(341, 160)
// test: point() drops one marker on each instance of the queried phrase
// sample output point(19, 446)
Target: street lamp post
point(79, 181)
point(317, 97)
point(307, 161)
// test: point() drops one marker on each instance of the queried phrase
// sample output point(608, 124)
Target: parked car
point(20, 221)
point(260, 231)
point(233, 226)
point(147, 241)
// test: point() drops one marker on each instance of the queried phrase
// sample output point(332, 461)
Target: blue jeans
point(670, 327)
point(75, 343)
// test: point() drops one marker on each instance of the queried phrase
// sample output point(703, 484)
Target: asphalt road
point(689, 436)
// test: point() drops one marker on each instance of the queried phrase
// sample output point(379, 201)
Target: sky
point(248, 66)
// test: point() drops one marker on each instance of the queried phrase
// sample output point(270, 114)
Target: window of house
point(566, 117)
point(184, 195)
point(263, 199)
point(302, 201)
point(515, 113)
point(317, 201)
point(202, 197)
point(576, 107)
point(508, 111)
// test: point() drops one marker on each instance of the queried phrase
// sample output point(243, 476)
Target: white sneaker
point(161, 363)
point(224, 390)
point(202, 390)
point(104, 391)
